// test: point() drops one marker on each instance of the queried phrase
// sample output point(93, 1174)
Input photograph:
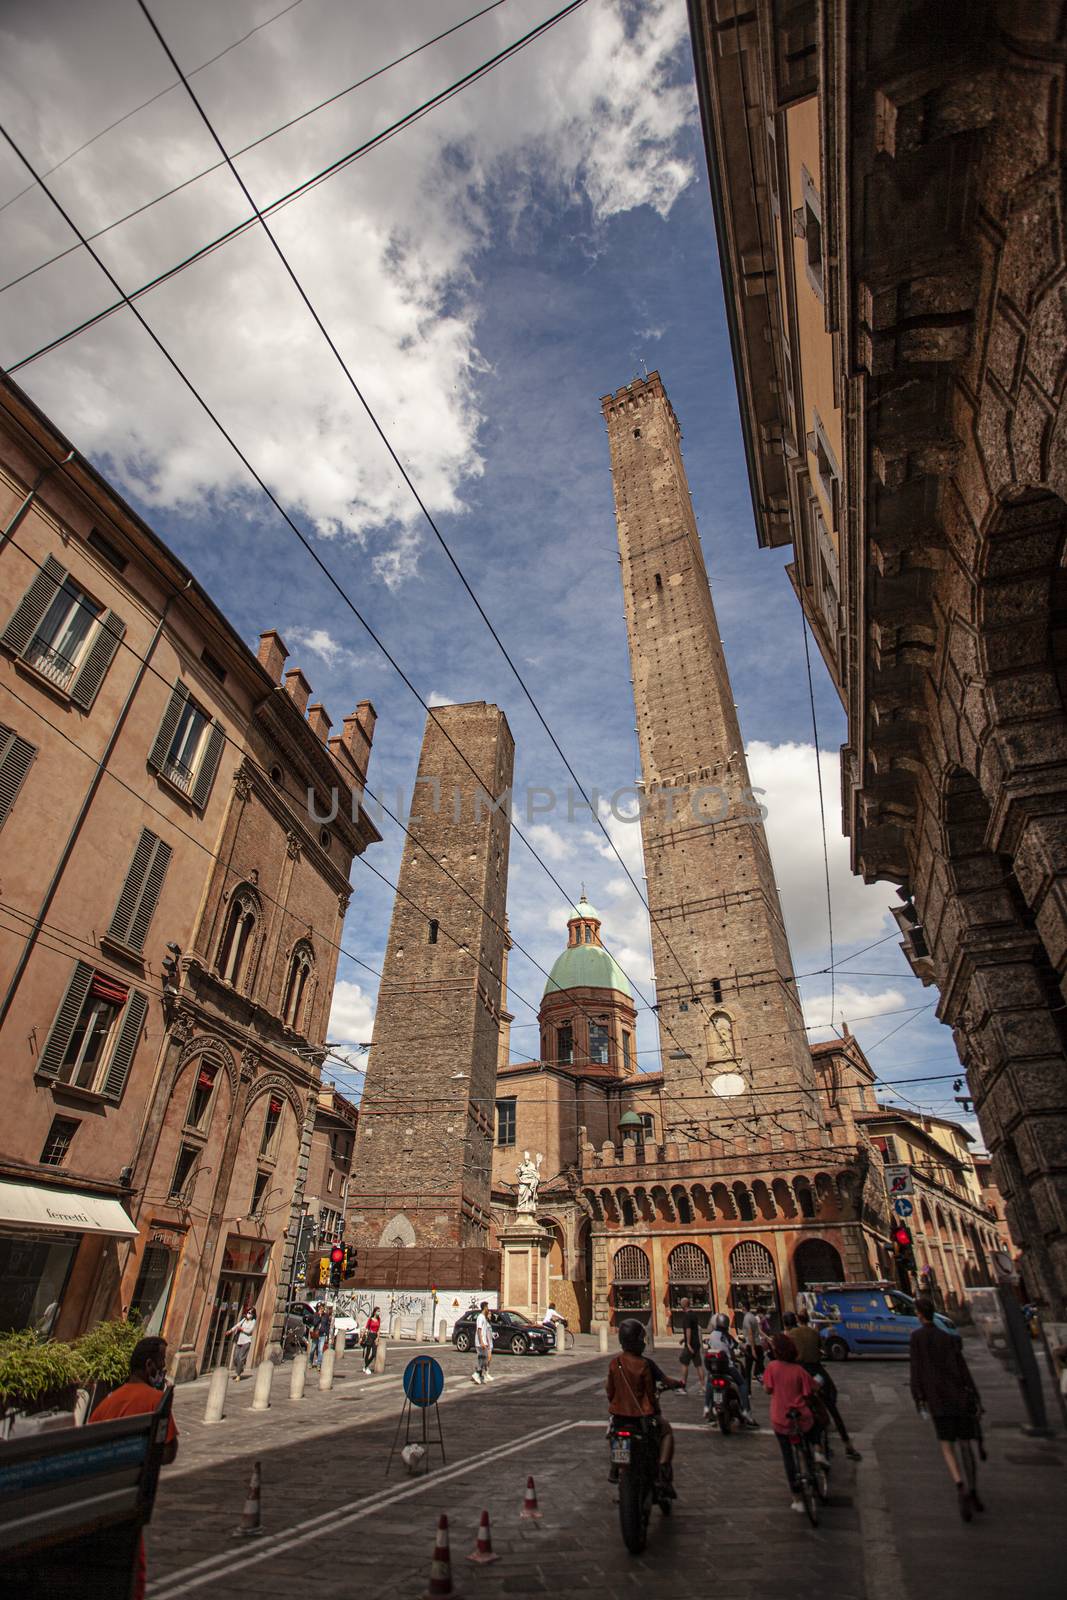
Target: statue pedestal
point(524, 1246)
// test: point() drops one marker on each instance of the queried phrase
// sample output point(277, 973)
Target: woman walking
point(245, 1329)
point(945, 1392)
point(370, 1340)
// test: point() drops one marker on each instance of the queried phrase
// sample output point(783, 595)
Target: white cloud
point(322, 644)
point(435, 698)
point(549, 842)
point(351, 1016)
point(786, 772)
point(389, 250)
point(849, 1002)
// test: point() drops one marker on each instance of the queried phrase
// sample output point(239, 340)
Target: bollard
point(442, 1331)
point(339, 1344)
point(560, 1346)
point(603, 1332)
point(264, 1379)
point(394, 1327)
point(420, 1330)
point(379, 1354)
point(216, 1395)
point(326, 1375)
point(298, 1376)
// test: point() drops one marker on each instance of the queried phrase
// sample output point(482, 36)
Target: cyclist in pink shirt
point(790, 1387)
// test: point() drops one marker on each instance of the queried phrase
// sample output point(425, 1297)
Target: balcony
point(49, 662)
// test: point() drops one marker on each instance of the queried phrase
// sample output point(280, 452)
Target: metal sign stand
point(424, 1383)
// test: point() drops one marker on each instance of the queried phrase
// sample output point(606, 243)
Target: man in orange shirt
point(141, 1394)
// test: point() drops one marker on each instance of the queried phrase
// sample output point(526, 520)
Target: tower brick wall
point(731, 1029)
point(422, 1159)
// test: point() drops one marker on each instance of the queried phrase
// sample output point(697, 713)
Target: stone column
point(524, 1281)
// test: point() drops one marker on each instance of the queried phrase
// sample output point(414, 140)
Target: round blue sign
point(423, 1381)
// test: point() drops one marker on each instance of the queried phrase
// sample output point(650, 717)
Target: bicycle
point(811, 1476)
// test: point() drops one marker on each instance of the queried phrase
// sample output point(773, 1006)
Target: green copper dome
point(587, 966)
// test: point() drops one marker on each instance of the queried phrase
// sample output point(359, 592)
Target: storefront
point(241, 1281)
point(43, 1233)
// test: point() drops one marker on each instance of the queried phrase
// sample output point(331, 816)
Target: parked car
point(306, 1310)
point(873, 1319)
point(513, 1334)
point(350, 1327)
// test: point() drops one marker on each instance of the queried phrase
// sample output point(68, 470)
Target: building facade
point(890, 231)
point(172, 922)
point(419, 1200)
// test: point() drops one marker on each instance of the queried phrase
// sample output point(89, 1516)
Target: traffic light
point(903, 1249)
point(351, 1261)
point(337, 1259)
point(324, 1270)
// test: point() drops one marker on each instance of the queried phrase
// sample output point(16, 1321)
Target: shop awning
point(32, 1205)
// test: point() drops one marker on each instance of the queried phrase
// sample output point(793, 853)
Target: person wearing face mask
point(139, 1394)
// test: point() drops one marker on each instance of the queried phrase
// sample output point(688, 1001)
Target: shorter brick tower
point(421, 1171)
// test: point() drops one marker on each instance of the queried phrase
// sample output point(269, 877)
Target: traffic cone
point(483, 1549)
point(441, 1565)
point(250, 1515)
point(530, 1510)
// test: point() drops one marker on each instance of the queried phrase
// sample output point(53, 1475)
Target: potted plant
point(104, 1354)
point(36, 1375)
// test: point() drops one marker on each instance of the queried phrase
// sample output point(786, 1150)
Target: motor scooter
point(725, 1408)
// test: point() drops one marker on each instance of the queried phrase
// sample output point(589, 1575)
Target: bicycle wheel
point(822, 1482)
point(802, 1468)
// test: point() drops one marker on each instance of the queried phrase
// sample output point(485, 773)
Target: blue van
point(865, 1319)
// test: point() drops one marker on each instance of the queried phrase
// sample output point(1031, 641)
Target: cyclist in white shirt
point(553, 1321)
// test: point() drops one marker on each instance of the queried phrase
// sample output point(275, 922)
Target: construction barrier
point(483, 1549)
point(531, 1511)
point(441, 1565)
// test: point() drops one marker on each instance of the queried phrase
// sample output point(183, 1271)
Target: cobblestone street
point(330, 1514)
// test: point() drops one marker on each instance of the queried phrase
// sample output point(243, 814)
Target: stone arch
point(683, 1206)
point(784, 1198)
point(211, 1045)
point(631, 1284)
point(702, 1202)
point(646, 1210)
point(689, 1278)
point(592, 1204)
point(826, 1194)
point(725, 1204)
point(805, 1196)
point(627, 1209)
point(817, 1261)
point(663, 1203)
point(557, 1255)
point(278, 1083)
point(746, 1205)
point(753, 1280)
point(763, 1199)
point(237, 956)
point(609, 1206)
point(398, 1234)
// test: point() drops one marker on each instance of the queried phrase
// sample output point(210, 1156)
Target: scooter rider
point(631, 1387)
point(718, 1341)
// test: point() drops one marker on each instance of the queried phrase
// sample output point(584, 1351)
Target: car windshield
point(517, 1319)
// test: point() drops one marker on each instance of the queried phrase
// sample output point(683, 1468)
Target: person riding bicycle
point(632, 1386)
point(809, 1353)
point(791, 1388)
point(554, 1322)
point(718, 1341)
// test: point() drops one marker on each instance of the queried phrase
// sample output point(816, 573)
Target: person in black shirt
point(691, 1354)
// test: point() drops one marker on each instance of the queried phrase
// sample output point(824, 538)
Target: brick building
point(419, 1199)
point(887, 183)
point(172, 913)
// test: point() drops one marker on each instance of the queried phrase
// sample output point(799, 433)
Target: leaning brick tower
point(735, 1053)
point(421, 1170)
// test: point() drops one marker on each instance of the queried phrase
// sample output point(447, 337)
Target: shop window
point(505, 1121)
point(200, 1099)
point(269, 1143)
point(33, 1277)
point(58, 1142)
point(188, 1155)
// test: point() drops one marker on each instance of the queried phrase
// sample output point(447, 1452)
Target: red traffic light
point(901, 1235)
point(337, 1255)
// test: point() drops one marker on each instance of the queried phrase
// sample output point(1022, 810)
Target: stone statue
point(529, 1176)
point(721, 1044)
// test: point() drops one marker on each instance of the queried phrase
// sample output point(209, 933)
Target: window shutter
point(33, 605)
point(168, 727)
point(55, 1048)
point(140, 892)
point(126, 1043)
point(98, 658)
point(153, 884)
point(209, 764)
point(16, 756)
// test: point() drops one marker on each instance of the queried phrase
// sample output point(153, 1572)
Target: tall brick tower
point(731, 1029)
point(422, 1158)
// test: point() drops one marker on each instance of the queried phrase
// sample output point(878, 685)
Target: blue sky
point(489, 273)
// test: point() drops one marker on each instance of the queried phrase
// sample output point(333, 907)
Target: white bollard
point(560, 1347)
point(442, 1331)
point(298, 1376)
point(261, 1392)
point(326, 1375)
point(420, 1330)
point(394, 1327)
point(603, 1332)
point(339, 1344)
point(379, 1354)
point(216, 1395)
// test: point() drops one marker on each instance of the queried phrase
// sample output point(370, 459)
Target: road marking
point(212, 1568)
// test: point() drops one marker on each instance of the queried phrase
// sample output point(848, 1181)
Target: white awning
point(32, 1205)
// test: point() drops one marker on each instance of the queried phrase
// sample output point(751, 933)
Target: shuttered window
point(94, 1035)
point(16, 757)
point(63, 634)
point(141, 891)
point(188, 747)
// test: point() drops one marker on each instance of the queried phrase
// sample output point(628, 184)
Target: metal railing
point(50, 662)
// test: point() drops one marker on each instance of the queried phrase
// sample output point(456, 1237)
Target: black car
point(512, 1334)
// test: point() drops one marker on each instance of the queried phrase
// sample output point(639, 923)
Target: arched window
point(689, 1278)
point(817, 1261)
point(301, 966)
point(236, 949)
point(631, 1276)
point(752, 1279)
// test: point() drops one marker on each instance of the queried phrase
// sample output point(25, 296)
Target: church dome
point(585, 964)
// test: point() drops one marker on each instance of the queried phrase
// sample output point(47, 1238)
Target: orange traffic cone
point(530, 1510)
point(441, 1565)
point(250, 1515)
point(483, 1550)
